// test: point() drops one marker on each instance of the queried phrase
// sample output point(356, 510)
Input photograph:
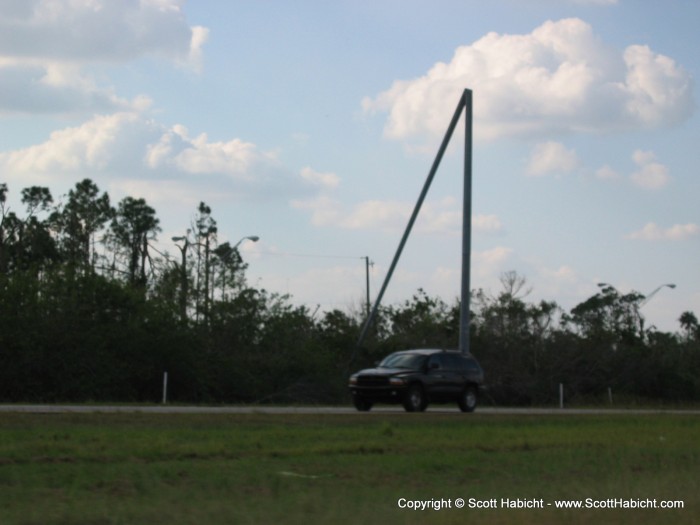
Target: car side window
point(435, 362)
point(472, 366)
point(453, 362)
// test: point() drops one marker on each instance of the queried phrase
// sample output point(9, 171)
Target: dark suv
point(418, 377)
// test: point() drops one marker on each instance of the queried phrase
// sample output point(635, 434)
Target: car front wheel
point(415, 400)
point(468, 399)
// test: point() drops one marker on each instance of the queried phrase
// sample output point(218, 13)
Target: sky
point(314, 124)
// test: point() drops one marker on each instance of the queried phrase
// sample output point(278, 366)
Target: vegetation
point(296, 469)
point(91, 311)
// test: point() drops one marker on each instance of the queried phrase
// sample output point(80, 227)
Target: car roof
point(427, 351)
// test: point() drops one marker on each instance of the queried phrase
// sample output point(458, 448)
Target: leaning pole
point(465, 104)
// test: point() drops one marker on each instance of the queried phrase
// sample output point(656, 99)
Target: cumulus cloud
point(324, 209)
point(607, 173)
point(103, 143)
point(442, 216)
point(129, 146)
point(375, 214)
point(96, 30)
point(200, 35)
point(651, 174)
point(490, 262)
point(560, 78)
point(678, 232)
point(57, 88)
point(487, 224)
point(326, 180)
point(552, 157)
point(48, 46)
point(234, 158)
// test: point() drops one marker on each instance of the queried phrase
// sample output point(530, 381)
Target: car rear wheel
point(415, 400)
point(362, 404)
point(468, 399)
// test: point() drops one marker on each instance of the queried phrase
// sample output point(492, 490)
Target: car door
point(454, 374)
point(473, 372)
point(437, 380)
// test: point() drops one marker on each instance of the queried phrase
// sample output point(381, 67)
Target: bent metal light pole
point(648, 297)
point(465, 104)
point(253, 238)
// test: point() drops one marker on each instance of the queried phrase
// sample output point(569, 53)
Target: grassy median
point(104, 469)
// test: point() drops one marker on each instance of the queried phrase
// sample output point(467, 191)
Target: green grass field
point(100, 469)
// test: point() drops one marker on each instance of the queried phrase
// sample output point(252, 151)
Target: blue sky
point(313, 124)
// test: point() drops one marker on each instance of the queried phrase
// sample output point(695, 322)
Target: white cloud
point(651, 175)
point(442, 216)
point(558, 78)
point(607, 173)
point(487, 224)
point(657, 91)
point(325, 211)
point(563, 273)
point(103, 143)
point(326, 180)
point(383, 215)
point(678, 232)
point(199, 37)
point(163, 194)
point(552, 157)
point(641, 157)
point(57, 88)
point(490, 263)
point(48, 46)
point(557, 281)
point(128, 146)
point(99, 30)
point(234, 158)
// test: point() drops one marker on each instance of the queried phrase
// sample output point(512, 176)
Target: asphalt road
point(256, 409)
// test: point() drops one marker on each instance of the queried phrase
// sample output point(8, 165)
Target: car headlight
point(396, 381)
point(353, 380)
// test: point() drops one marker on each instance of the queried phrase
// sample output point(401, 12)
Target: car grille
point(372, 381)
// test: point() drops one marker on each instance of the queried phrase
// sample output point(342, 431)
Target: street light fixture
point(652, 294)
point(253, 238)
point(184, 282)
point(183, 276)
point(234, 249)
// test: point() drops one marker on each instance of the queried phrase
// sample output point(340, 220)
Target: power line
point(309, 255)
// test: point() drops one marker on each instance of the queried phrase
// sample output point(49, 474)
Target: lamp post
point(643, 300)
point(183, 276)
point(184, 284)
point(252, 238)
point(648, 297)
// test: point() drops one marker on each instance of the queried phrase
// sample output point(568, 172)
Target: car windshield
point(411, 361)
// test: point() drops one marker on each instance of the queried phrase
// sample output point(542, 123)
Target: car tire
point(362, 404)
point(415, 400)
point(468, 399)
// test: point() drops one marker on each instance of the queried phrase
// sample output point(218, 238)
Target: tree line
point(91, 310)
